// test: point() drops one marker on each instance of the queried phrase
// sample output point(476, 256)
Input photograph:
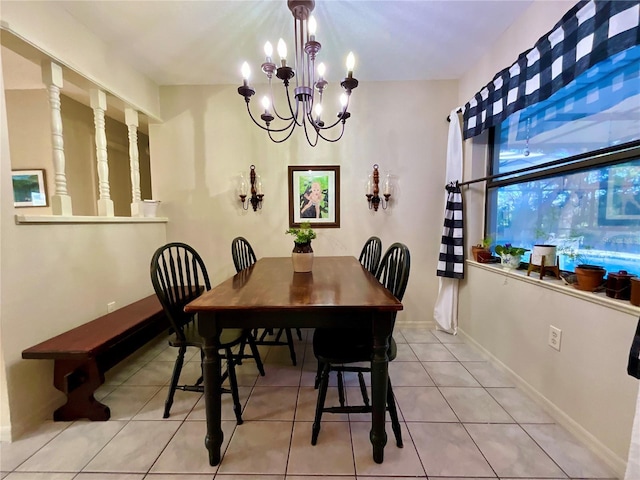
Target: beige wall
point(585, 385)
point(207, 139)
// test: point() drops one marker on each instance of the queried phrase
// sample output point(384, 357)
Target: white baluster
point(131, 119)
point(60, 200)
point(99, 105)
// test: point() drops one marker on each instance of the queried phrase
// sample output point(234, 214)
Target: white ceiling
point(205, 42)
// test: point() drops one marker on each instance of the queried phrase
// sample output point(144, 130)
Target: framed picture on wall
point(620, 204)
point(314, 196)
point(29, 188)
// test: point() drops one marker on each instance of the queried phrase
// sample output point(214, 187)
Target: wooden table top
point(271, 284)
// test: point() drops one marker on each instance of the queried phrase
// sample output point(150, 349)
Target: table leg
point(382, 326)
point(212, 392)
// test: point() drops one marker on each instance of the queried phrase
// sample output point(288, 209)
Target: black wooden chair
point(179, 275)
point(243, 257)
point(370, 254)
point(336, 349)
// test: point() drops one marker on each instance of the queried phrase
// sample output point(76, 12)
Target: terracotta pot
point(302, 257)
point(477, 251)
point(589, 277)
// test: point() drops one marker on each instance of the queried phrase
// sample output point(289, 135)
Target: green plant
point(486, 242)
point(508, 249)
point(304, 234)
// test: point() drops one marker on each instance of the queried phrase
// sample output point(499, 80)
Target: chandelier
point(305, 109)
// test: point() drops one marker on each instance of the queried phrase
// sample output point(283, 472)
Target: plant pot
point(510, 262)
point(478, 251)
point(635, 291)
point(546, 253)
point(589, 277)
point(619, 285)
point(302, 257)
point(485, 256)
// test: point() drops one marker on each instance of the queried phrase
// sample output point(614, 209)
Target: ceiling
point(205, 42)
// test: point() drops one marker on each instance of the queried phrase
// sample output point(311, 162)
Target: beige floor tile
point(153, 373)
point(445, 337)
point(520, 406)
point(258, 447)
point(488, 375)
point(135, 448)
point(126, 401)
point(465, 352)
point(423, 404)
point(450, 374)
point(475, 405)
point(271, 403)
point(280, 375)
point(397, 461)
point(405, 353)
point(575, 459)
point(179, 476)
point(122, 372)
point(73, 448)
point(12, 454)
point(307, 401)
point(186, 452)
point(198, 412)
point(511, 452)
point(318, 477)
point(418, 335)
point(109, 476)
point(332, 455)
point(225, 476)
point(432, 352)
point(409, 374)
point(39, 476)
point(447, 450)
point(183, 403)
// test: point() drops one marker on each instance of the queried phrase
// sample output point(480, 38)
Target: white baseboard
point(617, 464)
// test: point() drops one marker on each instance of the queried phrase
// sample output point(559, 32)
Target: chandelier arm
point(268, 129)
point(306, 134)
point(332, 140)
point(332, 125)
point(291, 125)
point(273, 104)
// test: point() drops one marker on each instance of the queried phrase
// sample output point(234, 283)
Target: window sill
point(555, 284)
point(59, 219)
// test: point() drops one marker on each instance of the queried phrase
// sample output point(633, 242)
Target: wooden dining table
point(338, 293)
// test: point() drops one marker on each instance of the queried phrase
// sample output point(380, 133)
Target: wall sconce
point(256, 190)
point(372, 190)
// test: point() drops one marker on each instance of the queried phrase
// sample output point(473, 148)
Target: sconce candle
point(373, 190)
point(256, 190)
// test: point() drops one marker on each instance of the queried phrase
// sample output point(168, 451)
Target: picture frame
point(29, 188)
point(620, 205)
point(314, 196)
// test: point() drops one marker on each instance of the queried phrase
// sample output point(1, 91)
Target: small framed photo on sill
point(314, 196)
point(29, 188)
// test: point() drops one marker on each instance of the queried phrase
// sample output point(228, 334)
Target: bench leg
point(79, 380)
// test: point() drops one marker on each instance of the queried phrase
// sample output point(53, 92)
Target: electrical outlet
point(111, 306)
point(555, 337)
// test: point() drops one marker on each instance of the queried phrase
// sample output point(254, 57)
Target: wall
point(207, 139)
point(585, 385)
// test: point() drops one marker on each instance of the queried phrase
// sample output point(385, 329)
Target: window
point(582, 192)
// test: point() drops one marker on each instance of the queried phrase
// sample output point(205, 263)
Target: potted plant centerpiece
point(510, 256)
point(482, 251)
point(302, 255)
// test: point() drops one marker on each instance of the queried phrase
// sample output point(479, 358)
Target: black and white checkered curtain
point(451, 258)
point(590, 32)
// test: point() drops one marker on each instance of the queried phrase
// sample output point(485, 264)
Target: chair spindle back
point(242, 253)
point(370, 254)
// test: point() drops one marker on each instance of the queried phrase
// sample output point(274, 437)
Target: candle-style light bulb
point(351, 62)
point(268, 51)
point(343, 100)
point(321, 69)
point(246, 72)
point(242, 188)
point(282, 51)
point(386, 188)
point(318, 110)
point(266, 104)
point(312, 27)
point(368, 186)
point(258, 185)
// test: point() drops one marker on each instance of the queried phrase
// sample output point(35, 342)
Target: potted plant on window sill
point(510, 256)
point(302, 255)
point(481, 252)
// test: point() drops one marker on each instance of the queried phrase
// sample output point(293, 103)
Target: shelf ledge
point(59, 219)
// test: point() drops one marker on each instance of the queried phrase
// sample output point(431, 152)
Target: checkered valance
point(590, 32)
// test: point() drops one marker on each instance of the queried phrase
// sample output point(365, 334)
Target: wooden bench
point(83, 355)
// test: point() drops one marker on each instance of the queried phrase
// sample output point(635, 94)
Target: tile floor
point(461, 418)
